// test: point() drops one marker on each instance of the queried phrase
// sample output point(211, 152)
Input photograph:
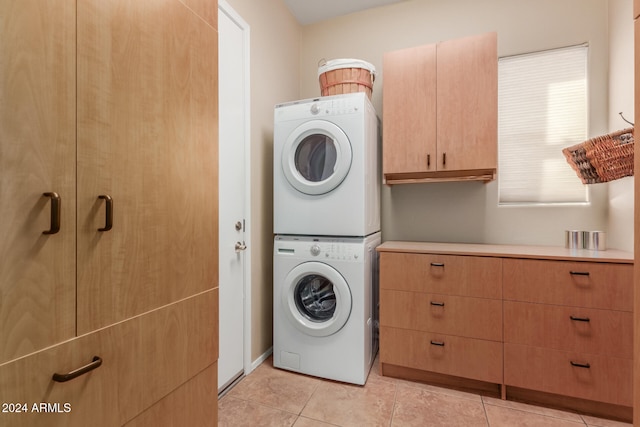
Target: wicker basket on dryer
point(339, 76)
point(603, 158)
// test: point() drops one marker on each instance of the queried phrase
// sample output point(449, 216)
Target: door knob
point(240, 246)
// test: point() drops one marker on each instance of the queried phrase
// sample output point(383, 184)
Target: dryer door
point(316, 157)
point(316, 299)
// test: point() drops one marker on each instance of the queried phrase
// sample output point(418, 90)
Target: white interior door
point(233, 253)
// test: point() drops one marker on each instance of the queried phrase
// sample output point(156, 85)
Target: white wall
point(621, 66)
point(468, 212)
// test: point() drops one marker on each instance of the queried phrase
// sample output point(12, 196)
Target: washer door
point(316, 157)
point(316, 299)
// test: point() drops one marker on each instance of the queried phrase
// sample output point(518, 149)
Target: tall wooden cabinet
point(440, 111)
point(108, 126)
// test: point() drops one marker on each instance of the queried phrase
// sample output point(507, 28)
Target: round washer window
point(315, 298)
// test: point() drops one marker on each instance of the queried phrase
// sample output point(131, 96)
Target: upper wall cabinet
point(440, 111)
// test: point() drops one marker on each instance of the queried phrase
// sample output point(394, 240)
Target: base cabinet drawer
point(450, 315)
point(442, 274)
point(463, 357)
point(143, 360)
point(584, 330)
point(583, 284)
point(585, 376)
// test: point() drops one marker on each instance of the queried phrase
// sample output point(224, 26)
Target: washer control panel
point(336, 251)
point(319, 107)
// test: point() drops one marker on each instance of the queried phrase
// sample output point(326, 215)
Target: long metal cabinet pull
point(580, 365)
point(428, 160)
point(579, 273)
point(579, 319)
point(108, 221)
point(61, 378)
point(444, 159)
point(55, 212)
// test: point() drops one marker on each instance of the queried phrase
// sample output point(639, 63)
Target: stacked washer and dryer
point(327, 224)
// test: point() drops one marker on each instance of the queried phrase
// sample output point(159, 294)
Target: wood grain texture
point(147, 136)
point(607, 379)
point(409, 110)
point(205, 9)
point(467, 95)
point(464, 357)
point(37, 155)
point(445, 314)
point(442, 274)
point(144, 359)
point(607, 332)
point(192, 404)
point(607, 286)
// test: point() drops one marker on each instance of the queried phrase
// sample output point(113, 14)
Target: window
point(542, 108)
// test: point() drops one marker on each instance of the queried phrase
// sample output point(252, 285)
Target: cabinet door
point(37, 155)
point(409, 110)
point(147, 137)
point(467, 96)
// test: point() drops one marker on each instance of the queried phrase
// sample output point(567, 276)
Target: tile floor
point(273, 397)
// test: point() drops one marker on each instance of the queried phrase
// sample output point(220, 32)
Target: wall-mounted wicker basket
point(603, 158)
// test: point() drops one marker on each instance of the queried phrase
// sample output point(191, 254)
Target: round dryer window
point(316, 157)
point(316, 299)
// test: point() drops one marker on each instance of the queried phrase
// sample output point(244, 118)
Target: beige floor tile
point(351, 405)
point(500, 416)
point(241, 413)
point(287, 391)
point(599, 422)
point(418, 406)
point(308, 422)
point(540, 410)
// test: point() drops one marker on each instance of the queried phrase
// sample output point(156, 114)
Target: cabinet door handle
point(579, 273)
point(580, 365)
point(108, 220)
point(437, 264)
point(61, 378)
point(437, 303)
point(444, 159)
point(579, 319)
point(438, 343)
point(428, 160)
point(55, 212)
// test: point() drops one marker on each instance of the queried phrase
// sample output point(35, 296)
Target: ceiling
point(310, 11)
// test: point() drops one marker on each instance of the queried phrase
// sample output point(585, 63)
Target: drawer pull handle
point(580, 365)
point(437, 264)
point(438, 343)
point(579, 319)
point(55, 213)
point(579, 273)
point(437, 303)
point(108, 221)
point(61, 378)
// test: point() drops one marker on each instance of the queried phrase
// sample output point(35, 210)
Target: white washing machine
point(325, 306)
point(326, 177)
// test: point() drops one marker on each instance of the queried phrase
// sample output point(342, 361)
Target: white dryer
point(326, 177)
point(325, 299)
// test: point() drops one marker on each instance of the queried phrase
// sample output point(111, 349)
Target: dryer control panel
point(321, 107)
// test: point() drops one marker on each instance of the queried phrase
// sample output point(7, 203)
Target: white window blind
point(542, 108)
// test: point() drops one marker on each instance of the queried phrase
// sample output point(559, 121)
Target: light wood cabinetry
point(37, 156)
point(440, 109)
point(546, 320)
point(569, 329)
point(113, 99)
point(441, 313)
